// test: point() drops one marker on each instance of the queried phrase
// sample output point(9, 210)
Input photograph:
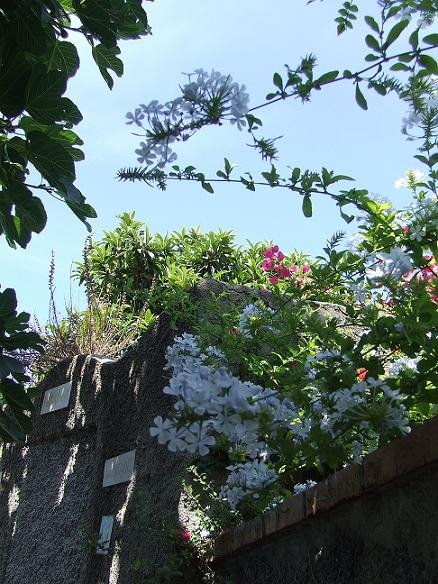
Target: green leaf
point(360, 99)
point(296, 174)
point(28, 214)
point(106, 59)
point(207, 187)
point(429, 64)
point(51, 159)
point(15, 395)
point(328, 77)
point(395, 32)
point(373, 43)
point(278, 81)
point(8, 303)
point(63, 57)
point(399, 67)
point(10, 429)
point(413, 39)
point(431, 39)
point(372, 23)
point(44, 91)
point(307, 206)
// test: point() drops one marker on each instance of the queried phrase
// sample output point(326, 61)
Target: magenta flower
point(274, 279)
point(267, 264)
point(306, 268)
point(269, 253)
point(280, 256)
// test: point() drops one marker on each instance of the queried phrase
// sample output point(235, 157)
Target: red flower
point(362, 373)
point(185, 535)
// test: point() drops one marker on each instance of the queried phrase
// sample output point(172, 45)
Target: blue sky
point(249, 40)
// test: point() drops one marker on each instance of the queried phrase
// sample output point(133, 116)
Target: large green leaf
point(21, 213)
point(26, 29)
point(10, 429)
point(51, 159)
point(9, 366)
point(64, 57)
point(106, 59)
point(15, 395)
point(15, 73)
point(44, 91)
point(99, 18)
point(72, 115)
point(8, 303)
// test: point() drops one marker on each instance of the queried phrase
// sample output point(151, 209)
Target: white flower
point(412, 178)
point(161, 430)
point(303, 487)
point(197, 439)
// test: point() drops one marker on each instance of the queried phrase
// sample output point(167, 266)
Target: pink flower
point(275, 249)
point(306, 268)
point(268, 253)
point(362, 373)
point(274, 279)
point(293, 269)
point(284, 272)
point(280, 256)
point(406, 228)
point(267, 264)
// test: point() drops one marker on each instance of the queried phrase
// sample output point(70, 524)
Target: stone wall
point(53, 499)
point(373, 523)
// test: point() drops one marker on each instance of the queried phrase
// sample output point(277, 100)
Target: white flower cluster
point(303, 487)
point(246, 479)
point(421, 217)
point(392, 265)
point(207, 98)
point(247, 317)
point(404, 363)
point(210, 401)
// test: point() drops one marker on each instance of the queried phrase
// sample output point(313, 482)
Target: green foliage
point(36, 121)
point(15, 338)
point(132, 266)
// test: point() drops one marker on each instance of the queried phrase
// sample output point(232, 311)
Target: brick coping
point(391, 462)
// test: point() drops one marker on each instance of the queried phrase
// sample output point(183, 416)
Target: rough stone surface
point(52, 498)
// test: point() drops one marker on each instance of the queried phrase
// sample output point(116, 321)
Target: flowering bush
point(344, 355)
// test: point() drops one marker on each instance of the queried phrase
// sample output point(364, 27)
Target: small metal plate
point(118, 469)
point(106, 528)
point(56, 398)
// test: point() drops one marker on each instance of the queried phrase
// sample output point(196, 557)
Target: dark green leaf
point(51, 159)
point(63, 57)
point(307, 206)
point(431, 39)
point(413, 39)
point(278, 82)
point(372, 23)
point(207, 187)
point(327, 78)
point(15, 395)
point(429, 64)
point(373, 43)
point(44, 92)
point(8, 303)
point(10, 429)
point(106, 59)
point(395, 32)
point(360, 99)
